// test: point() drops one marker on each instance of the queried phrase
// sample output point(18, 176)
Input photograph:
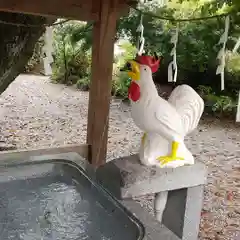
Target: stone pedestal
point(179, 206)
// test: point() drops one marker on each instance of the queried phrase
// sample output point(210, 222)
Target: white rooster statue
point(165, 123)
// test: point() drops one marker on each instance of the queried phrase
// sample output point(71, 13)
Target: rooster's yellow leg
point(172, 157)
point(144, 138)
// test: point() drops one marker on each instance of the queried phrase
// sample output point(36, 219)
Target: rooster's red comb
point(150, 61)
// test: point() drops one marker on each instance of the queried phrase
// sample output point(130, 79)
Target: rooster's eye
point(145, 69)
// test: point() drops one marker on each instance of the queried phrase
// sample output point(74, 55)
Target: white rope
point(222, 53)
point(172, 67)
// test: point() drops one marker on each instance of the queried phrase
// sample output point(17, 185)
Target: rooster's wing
point(169, 120)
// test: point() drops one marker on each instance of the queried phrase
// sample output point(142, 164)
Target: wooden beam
point(104, 31)
point(75, 9)
point(84, 10)
point(81, 149)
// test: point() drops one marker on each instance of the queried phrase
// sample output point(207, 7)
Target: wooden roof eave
point(84, 10)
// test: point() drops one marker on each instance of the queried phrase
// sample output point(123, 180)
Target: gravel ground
point(36, 113)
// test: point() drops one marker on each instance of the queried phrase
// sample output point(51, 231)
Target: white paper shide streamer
point(162, 3)
point(140, 30)
point(237, 45)
point(172, 67)
point(235, 49)
point(222, 53)
point(238, 109)
point(48, 50)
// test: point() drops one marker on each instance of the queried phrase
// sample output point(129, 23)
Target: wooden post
point(104, 31)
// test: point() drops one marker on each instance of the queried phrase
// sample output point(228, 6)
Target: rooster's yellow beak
point(134, 71)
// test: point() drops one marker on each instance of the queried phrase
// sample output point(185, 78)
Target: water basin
point(56, 199)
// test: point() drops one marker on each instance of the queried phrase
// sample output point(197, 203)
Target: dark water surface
point(59, 207)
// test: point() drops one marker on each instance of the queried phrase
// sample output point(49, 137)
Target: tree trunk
point(17, 44)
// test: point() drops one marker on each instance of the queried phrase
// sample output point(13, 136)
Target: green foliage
point(121, 80)
point(83, 34)
point(71, 61)
point(120, 85)
point(84, 83)
point(197, 47)
point(129, 52)
point(223, 105)
point(233, 63)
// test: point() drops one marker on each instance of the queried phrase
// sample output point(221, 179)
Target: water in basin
point(60, 205)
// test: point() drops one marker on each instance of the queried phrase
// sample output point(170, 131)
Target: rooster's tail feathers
point(189, 105)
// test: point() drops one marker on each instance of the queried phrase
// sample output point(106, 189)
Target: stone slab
point(153, 229)
point(126, 178)
point(183, 212)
